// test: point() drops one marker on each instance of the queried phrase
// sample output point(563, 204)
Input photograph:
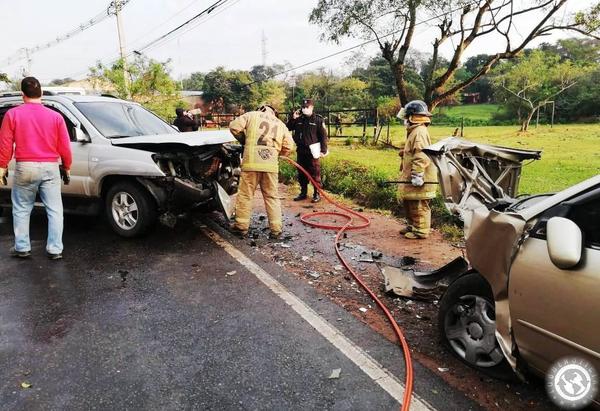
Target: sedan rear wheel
point(130, 209)
point(467, 325)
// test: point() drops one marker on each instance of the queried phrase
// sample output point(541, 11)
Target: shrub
point(364, 185)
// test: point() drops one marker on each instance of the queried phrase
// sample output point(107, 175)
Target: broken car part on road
point(421, 285)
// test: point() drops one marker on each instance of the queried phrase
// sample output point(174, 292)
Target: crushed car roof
point(473, 175)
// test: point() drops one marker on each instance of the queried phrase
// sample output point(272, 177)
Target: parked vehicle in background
point(134, 167)
point(532, 295)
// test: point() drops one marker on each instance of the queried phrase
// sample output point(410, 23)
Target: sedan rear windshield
point(118, 120)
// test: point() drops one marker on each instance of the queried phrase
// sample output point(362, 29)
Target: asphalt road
point(156, 323)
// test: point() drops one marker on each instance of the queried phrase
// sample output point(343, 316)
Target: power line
point(364, 43)
point(165, 21)
point(197, 20)
point(201, 21)
point(206, 11)
point(25, 52)
point(113, 59)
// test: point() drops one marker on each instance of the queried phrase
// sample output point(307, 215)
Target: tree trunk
point(527, 120)
point(398, 70)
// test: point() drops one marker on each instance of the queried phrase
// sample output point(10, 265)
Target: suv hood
point(192, 139)
point(473, 175)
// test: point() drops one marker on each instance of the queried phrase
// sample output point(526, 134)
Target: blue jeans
point(31, 178)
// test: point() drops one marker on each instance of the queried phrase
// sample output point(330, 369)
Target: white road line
point(357, 355)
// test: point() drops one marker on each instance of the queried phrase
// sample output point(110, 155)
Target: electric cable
point(204, 20)
point(364, 43)
point(26, 52)
point(349, 215)
point(163, 39)
point(206, 11)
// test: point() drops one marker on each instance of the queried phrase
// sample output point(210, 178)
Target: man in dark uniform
point(309, 129)
point(185, 121)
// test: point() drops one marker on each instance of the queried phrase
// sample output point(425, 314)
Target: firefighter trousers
point(268, 182)
point(418, 215)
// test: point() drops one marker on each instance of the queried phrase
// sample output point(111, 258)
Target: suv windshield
point(118, 120)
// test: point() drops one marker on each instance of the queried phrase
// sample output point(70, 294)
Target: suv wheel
point(467, 325)
point(130, 209)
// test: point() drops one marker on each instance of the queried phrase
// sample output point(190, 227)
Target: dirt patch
point(309, 254)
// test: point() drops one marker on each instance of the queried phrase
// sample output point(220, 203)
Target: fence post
point(462, 126)
point(364, 133)
point(388, 131)
point(375, 138)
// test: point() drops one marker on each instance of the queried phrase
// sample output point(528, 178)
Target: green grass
point(470, 111)
point(570, 153)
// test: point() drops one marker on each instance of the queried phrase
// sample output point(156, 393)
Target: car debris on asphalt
point(335, 374)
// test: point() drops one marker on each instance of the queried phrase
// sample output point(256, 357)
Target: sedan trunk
point(473, 175)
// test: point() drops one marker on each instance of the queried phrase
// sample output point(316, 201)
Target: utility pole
point(26, 71)
point(265, 53)
point(115, 8)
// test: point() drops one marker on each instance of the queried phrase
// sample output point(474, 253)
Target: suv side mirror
point(81, 136)
point(565, 242)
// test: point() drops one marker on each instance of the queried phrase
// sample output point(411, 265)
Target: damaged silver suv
point(531, 295)
point(136, 168)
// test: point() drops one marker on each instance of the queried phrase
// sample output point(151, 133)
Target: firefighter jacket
point(264, 137)
point(309, 130)
point(414, 160)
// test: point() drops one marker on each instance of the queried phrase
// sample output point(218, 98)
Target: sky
point(231, 37)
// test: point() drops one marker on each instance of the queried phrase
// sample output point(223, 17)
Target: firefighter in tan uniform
point(265, 138)
point(418, 173)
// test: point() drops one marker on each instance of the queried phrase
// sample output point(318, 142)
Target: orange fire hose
point(306, 219)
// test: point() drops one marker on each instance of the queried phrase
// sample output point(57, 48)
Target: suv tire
point(467, 326)
point(130, 209)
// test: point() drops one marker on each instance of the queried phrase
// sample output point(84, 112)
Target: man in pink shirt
point(38, 138)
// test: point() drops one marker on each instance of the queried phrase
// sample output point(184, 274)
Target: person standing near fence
point(185, 121)
point(39, 138)
point(309, 130)
point(418, 173)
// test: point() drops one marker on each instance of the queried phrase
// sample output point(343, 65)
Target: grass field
point(571, 153)
point(470, 111)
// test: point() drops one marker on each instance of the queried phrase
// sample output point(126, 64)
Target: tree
point(378, 76)
point(459, 24)
point(317, 85)
point(534, 80)
point(61, 81)
point(583, 51)
point(194, 82)
point(349, 93)
point(483, 85)
point(150, 83)
point(272, 92)
point(580, 102)
point(264, 73)
point(230, 90)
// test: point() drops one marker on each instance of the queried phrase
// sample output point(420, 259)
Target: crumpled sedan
point(532, 294)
